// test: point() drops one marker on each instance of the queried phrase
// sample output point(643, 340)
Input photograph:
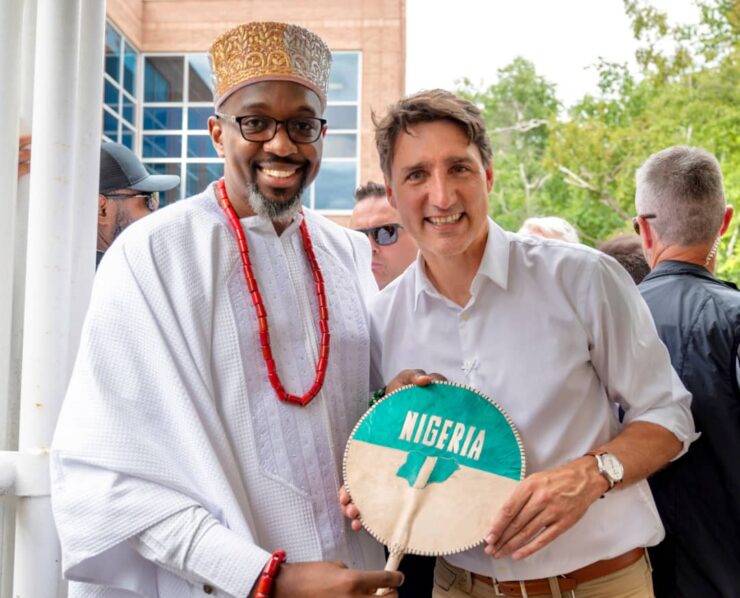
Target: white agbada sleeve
point(193, 545)
point(140, 439)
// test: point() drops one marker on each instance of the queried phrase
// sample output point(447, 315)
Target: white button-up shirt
point(558, 335)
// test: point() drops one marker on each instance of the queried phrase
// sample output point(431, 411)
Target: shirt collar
point(677, 267)
point(261, 224)
point(494, 265)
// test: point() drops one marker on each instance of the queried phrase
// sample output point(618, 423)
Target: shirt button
point(465, 317)
point(208, 589)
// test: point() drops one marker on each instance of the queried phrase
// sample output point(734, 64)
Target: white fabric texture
point(170, 409)
point(193, 545)
point(557, 334)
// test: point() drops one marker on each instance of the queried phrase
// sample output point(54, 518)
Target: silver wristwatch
point(609, 466)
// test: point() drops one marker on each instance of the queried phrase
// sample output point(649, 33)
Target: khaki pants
point(634, 581)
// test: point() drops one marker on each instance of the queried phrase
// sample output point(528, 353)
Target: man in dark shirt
point(681, 215)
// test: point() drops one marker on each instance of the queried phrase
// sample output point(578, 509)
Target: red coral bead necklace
point(259, 306)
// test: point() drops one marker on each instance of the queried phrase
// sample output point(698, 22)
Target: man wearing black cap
point(127, 192)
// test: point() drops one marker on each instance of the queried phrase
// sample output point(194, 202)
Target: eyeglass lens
point(264, 128)
point(636, 221)
point(152, 198)
point(384, 235)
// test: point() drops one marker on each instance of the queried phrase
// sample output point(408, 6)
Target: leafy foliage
point(580, 164)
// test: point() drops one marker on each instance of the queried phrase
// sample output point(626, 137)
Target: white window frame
point(358, 131)
point(118, 84)
point(183, 132)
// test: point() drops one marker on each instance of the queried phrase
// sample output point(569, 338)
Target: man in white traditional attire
point(223, 363)
point(556, 333)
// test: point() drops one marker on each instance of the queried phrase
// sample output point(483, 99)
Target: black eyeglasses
point(387, 234)
point(303, 129)
point(152, 199)
point(636, 222)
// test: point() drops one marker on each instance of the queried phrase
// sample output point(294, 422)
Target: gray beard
point(277, 211)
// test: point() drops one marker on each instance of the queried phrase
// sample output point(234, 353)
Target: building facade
point(158, 97)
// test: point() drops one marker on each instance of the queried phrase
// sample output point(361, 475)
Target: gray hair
point(550, 227)
point(682, 186)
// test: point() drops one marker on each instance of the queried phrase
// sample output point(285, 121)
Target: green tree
point(581, 165)
point(519, 109)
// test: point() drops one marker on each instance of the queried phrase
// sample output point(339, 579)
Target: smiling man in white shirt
point(557, 334)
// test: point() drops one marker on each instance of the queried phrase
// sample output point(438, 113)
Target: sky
point(450, 39)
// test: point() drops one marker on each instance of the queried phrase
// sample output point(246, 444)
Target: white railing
point(63, 47)
point(17, 23)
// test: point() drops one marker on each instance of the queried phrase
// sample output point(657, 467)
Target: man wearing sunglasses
point(681, 215)
point(127, 192)
point(393, 248)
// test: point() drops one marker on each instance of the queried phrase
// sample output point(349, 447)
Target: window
point(177, 100)
point(119, 88)
point(338, 178)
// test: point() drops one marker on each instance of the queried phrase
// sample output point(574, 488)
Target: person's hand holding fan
point(427, 466)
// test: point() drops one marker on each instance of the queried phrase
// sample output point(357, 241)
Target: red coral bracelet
point(264, 586)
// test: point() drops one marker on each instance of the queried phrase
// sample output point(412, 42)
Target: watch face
point(612, 467)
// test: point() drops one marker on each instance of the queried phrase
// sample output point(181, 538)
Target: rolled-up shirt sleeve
point(629, 357)
point(195, 546)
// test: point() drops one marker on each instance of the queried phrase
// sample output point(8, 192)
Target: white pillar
point(11, 20)
point(64, 173)
point(11, 240)
point(85, 182)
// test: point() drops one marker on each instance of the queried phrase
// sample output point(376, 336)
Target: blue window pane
point(200, 146)
point(129, 69)
point(127, 108)
point(110, 126)
point(127, 137)
point(198, 118)
point(199, 79)
point(112, 52)
point(343, 145)
point(163, 78)
point(201, 175)
point(341, 117)
point(162, 118)
point(335, 186)
point(344, 75)
point(162, 146)
point(110, 96)
point(172, 195)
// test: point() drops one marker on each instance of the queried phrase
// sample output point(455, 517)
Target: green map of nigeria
point(441, 428)
point(441, 469)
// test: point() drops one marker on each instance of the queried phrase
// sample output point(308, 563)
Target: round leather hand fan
point(428, 466)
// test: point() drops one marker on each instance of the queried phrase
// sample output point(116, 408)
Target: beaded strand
point(261, 312)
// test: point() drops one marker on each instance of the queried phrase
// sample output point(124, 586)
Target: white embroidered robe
point(170, 406)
